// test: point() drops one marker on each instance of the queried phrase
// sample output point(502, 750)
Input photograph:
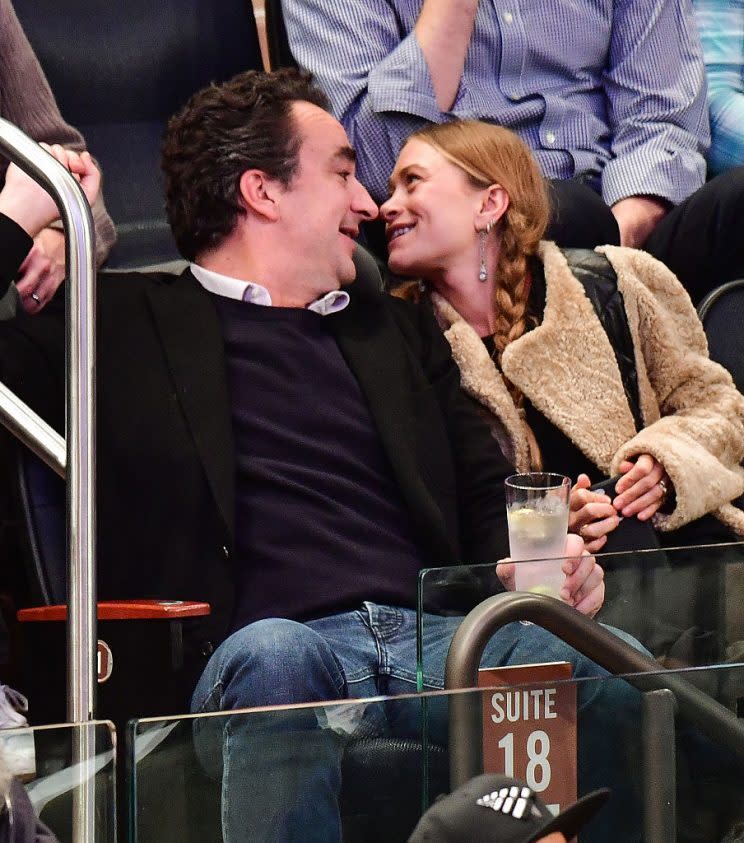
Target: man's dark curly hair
point(221, 132)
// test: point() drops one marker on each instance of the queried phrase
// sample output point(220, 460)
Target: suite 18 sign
point(529, 728)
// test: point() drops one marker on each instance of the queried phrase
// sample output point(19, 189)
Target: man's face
point(324, 204)
point(554, 837)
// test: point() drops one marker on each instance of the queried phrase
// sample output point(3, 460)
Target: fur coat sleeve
point(694, 415)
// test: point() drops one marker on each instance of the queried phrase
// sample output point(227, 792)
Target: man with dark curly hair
point(289, 446)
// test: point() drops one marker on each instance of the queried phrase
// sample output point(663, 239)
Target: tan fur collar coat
point(694, 416)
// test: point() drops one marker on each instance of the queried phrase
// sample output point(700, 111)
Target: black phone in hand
point(630, 533)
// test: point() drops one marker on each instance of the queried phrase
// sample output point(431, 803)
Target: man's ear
point(494, 202)
point(260, 194)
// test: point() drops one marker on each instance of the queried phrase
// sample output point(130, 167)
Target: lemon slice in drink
point(542, 589)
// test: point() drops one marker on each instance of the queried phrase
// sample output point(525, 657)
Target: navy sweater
point(320, 524)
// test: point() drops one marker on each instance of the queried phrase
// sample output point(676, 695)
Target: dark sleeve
point(480, 465)
point(15, 244)
point(31, 347)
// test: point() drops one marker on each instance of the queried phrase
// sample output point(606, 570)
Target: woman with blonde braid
point(591, 364)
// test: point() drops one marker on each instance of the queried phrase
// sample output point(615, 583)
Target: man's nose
point(364, 205)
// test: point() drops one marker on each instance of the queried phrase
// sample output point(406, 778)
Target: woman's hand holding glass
point(583, 588)
point(642, 489)
point(591, 514)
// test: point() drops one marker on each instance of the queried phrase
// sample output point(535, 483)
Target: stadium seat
point(144, 637)
point(119, 70)
point(279, 53)
point(720, 312)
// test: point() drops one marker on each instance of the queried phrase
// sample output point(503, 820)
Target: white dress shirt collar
point(232, 288)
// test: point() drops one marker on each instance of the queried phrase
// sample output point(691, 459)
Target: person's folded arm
point(656, 103)
point(26, 205)
point(380, 85)
point(28, 102)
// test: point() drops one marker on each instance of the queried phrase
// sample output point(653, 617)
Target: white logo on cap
point(511, 801)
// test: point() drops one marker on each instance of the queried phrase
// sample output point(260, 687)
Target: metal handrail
point(33, 431)
point(79, 461)
point(584, 635)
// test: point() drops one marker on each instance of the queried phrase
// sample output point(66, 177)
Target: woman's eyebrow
point(399, 175)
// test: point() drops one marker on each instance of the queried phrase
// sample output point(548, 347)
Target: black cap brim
point(574, 818)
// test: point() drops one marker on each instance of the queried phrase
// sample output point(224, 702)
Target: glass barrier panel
point(683, 605)
point(68, 773)
point(350, 770)
point(366, 770)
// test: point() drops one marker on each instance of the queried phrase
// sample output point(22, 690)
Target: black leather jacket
point(599, 279)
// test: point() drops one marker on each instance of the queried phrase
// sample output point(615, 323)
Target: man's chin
point(347, 273)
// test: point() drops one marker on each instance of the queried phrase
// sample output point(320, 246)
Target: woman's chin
point(399, 265)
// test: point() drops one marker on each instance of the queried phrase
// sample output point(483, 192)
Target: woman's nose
point(388, 210)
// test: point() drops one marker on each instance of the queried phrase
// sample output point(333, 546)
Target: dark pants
point(699, 240)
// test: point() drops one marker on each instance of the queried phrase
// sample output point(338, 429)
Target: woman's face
point(430, 217)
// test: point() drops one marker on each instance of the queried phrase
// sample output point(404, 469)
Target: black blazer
point(165, 465)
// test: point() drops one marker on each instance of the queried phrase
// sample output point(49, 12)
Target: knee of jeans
point(628, 639)
point(270, 662)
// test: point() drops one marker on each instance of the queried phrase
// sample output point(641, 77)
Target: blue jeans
point(281, 772)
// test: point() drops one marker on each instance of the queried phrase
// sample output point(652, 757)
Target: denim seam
point(215, 695)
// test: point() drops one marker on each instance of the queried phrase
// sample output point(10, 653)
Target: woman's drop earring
point(483, 274)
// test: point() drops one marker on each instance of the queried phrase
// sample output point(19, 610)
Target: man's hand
point(643, 488)
point(637, 217)
point(591, 515)
point(28, 204)
point(43, 270)
point(583, 588)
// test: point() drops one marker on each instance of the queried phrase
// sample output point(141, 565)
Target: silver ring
point(664, 488)
point(35, 297)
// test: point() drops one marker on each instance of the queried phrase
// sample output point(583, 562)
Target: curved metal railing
point(74, 456)
point(662, 693)
point(79, 462)
point(584, 635)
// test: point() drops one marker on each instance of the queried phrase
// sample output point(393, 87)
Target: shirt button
point(207, 649)
point(550, 138)
point(508, 17)
point(225, 551)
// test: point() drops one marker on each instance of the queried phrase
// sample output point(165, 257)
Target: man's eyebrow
point(347, 153)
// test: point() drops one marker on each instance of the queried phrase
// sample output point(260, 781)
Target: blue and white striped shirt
point(721, 25)
point(610, 87)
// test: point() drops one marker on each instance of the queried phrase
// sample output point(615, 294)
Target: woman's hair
point(489, 154)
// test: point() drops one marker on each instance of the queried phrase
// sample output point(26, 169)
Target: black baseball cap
point(499, 809)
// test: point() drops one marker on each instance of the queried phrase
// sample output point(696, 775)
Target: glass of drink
point(537, 512)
